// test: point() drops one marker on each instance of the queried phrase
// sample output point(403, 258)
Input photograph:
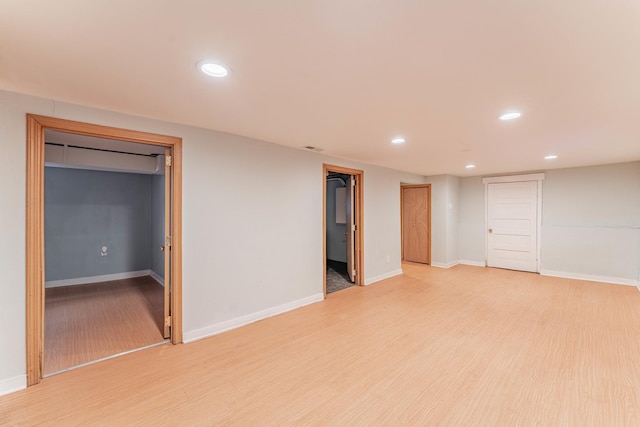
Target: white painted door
point(351, 225)
point(512, 220)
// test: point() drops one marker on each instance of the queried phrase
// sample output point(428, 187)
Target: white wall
point(268, 217)
point(382, 212)
point(12, 253)
point(445, 201)
point(453, 209)
point(590, 222)
point(471, 228)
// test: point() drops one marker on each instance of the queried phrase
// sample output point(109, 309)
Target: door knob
point(491, 230)
point(162, 248)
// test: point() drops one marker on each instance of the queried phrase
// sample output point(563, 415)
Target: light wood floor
point(88, 322)
point(465, 346)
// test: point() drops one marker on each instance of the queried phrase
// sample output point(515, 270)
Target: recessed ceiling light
point(213, 69)
point(470, 166)
point(398, 140)
point(550, 157)
point(510, 116)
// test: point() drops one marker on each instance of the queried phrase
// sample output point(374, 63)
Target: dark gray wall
point(336, 240)
point(87, 209)
point(157, 224)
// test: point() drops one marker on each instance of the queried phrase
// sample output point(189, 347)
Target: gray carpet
point(337, 278)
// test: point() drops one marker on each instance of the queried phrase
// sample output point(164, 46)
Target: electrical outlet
point(104, 250)
point(388, 258)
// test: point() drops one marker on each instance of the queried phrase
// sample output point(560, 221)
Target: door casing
point(359, 220)
point(35, 280)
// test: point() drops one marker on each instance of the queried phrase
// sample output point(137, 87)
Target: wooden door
point(350, 228)
point(416, 227)
point(167, 243)
point(512, 220)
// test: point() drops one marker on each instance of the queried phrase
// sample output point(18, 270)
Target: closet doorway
point(103, 243)
point(342, 228)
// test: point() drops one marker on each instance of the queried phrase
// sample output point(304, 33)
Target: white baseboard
point(382, 277)
point(592, 278)
point(443, 265)
point(474, 263)
point(227, 325)
point(156, 277)
point(97, 279)
point(14, 384)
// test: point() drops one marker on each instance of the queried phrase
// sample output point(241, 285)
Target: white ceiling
point(346, 76)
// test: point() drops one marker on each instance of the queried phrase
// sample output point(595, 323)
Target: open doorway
point(69, 256)
point(342, 228)
point(104, 222)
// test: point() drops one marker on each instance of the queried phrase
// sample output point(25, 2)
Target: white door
point(512, 220)
point(351, 226)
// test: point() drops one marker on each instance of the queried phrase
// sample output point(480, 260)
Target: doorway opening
point(99, 200)
point(342, 228)
point(415, 206)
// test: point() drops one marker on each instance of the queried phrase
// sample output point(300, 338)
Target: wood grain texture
point(35, 250)
point(36, 126)
point(416, 223)
point(176, 243)
point(91, 129)
point(466, 346)
point(84, 323)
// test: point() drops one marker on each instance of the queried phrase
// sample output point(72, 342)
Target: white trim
point(591, 278)
point(514, 178)
point(155, 276)
point(474, 263)
point(539, 225)
point(11, 385)
point(382, 277)
point(445, 265)
point(228, 325)
point(97, 279)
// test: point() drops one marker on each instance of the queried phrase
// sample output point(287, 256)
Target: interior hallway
point(461, 346)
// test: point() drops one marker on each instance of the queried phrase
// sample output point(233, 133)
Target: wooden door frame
point(35, 280)
point(359, 220)
point(428, 187)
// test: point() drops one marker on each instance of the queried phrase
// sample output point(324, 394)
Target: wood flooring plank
point(84, 323)
point(466, 346)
